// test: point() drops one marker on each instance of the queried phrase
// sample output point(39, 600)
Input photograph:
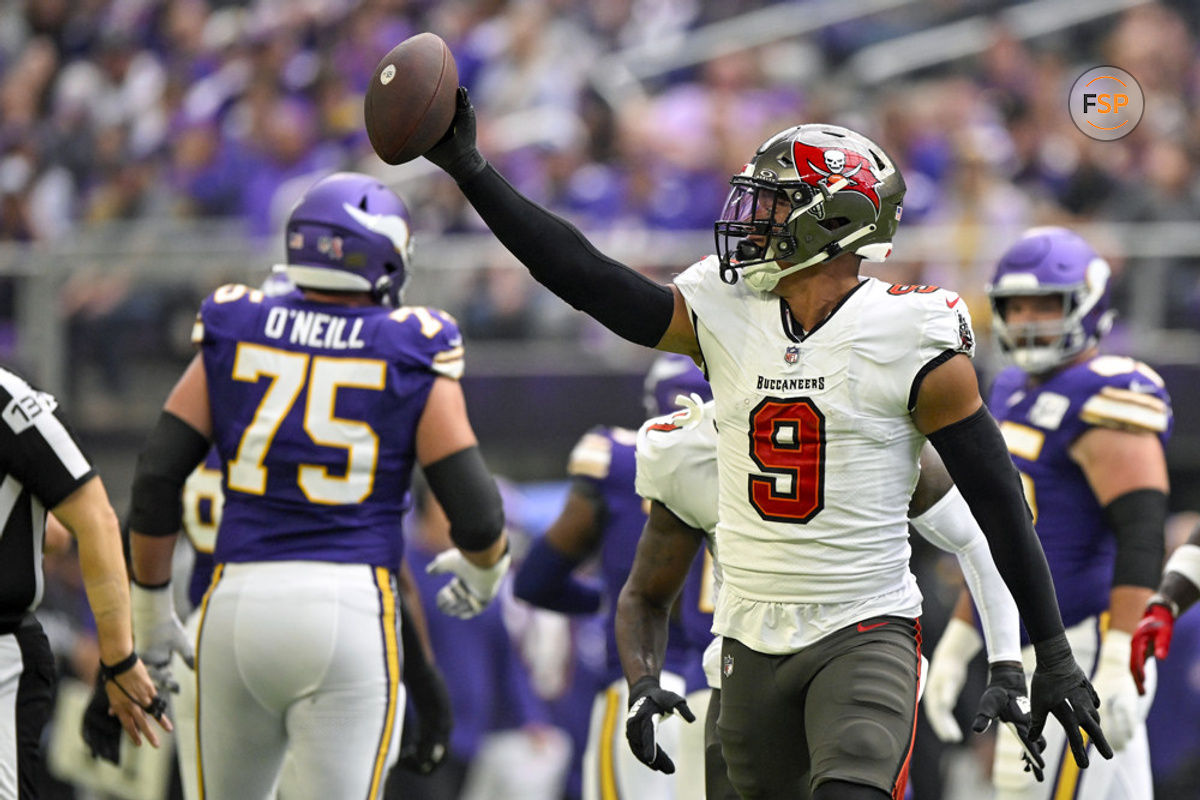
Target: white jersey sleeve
point(677, 465)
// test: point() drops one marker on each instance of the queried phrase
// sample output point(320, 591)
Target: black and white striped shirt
point(41, 464)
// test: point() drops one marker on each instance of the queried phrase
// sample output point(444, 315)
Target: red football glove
point(1153, 632)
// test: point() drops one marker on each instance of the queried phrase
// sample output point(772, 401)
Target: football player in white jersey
point(826, 386)
point(677, 473)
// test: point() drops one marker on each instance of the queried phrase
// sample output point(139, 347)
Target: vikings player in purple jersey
point(319, 403)
point(1086, 431)
point(603, 516)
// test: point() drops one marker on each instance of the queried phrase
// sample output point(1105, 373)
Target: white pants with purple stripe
point(1125, 777)
point(610, 769)
point(298, 659)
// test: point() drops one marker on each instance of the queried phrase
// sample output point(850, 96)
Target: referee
point(42, 467)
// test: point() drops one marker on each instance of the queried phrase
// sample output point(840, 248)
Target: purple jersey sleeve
point(315, 409)
point(1040, 422)
point(606, 460)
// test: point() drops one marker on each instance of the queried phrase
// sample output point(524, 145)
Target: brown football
point(410, 102)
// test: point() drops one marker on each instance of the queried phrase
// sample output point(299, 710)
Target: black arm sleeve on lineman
point(561, 259)
point(468, 494)
point(1138, 519)
point(171, 452)
point(977, 459)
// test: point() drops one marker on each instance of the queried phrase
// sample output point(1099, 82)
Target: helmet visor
point(753, 216)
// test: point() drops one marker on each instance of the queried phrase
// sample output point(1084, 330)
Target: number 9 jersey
point(315, 410)
point(818, 453)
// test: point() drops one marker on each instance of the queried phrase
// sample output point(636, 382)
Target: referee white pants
point(610, 769)
point(302, 659)
point(1124, 777)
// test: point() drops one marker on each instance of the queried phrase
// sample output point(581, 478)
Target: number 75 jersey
point(314, 411)
point(817, 454)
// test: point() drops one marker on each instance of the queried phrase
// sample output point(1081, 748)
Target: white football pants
point(298, 658)
point(610, 769)
point(1125, 777)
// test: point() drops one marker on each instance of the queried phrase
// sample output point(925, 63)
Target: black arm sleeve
point(1138, 519)
point(171, 452)
point(561, 259)
point(977, 459)
point(468, 494)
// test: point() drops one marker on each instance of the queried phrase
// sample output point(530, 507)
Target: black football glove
point(101, 730)
point(456, 152)
point(647, 701)
point(1005, 700)
point(1059, 687)
point(423, 745)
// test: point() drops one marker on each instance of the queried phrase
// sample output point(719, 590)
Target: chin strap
point(759, 278)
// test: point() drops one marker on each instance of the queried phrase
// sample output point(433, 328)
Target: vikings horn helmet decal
point(810, 193)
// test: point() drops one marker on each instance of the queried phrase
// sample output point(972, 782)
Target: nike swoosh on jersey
point(952, 303)
point(864, 628)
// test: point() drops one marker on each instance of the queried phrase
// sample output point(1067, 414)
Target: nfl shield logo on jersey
point(727, 665)
point(792, 354)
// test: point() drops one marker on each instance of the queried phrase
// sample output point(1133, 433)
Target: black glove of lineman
point(456, 152)
point(1005, 700)
point(101, 730)
point(423, 745)
point(648, 700)
point(1059, 687)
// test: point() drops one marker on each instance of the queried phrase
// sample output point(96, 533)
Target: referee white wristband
point(1186, 561)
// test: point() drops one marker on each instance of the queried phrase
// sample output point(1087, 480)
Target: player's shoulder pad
point(943, 317)
point(672, 430)
point(435, 336)
point(668, 443)
point(224, 302)
point(1123, 393)
point(592, 456)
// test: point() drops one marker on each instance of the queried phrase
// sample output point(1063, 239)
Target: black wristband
point(1138, 519)
point(107, 672)
point(1008, 673)
point(643, 685)
point(468, 494)
point(1052, 652)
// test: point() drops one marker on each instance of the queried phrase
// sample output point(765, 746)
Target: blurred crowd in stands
point(143, 109)
point(152, 110)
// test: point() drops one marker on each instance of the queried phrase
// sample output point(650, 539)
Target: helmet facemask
point(1042, 346)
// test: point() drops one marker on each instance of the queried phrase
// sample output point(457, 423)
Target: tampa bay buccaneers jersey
point(677, 466)
point(818, 453)
point(316, 406)
point(603, 464)
point(1040, 422)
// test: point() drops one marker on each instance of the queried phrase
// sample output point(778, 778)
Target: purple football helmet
point(350, 233)
point(671, 375)
point(1051, 261)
